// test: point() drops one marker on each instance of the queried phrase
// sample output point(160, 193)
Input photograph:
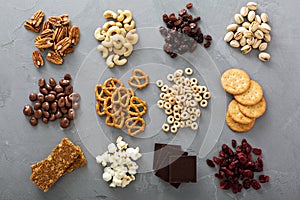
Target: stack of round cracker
point(248, 103)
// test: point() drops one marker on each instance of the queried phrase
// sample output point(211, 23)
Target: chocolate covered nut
point(45, 120)
point(32, 96)
point(60, 95)
point(61, 102)
point(33, 121)
point(189, 5)
point(64, 122)
point(52, 117)
point(68, 103)
point(76, 105)
point(74, 97)
point(37, 105)
point(48, 87)
point(54, 107)
point(64, 110)
point(58, 115)
point(52, 82)
point(46, 105)
point(58, 89)
point(69, 90)
point(27, 110)
point(50, 97)
point(44, 91)
point(46, 114)
point(68, 77)
point(64, 82)
point(41, 98)
point(38, 114)
point(71, 114)
point(53, 92)
point(41, 82)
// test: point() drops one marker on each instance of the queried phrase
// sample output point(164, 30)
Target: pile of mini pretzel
point(120, 106)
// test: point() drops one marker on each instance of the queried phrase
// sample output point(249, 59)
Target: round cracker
point(236, 114)
point(252, 96)
point(237, 127)
point(254, 111)
point(235, 81)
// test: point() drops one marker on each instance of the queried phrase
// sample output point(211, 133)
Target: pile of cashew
point(117, 37)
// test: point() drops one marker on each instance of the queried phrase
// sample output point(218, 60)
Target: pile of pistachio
point(251, 31)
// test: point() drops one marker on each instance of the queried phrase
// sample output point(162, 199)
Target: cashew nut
point(119, 62)
point(108, 24)
point(109, 14)
point(103, 49)
point(112, 31)
point(123, 32)
point(109, 61)
point(121, 16)
point(128, 16)
point(130, 26)
point(118, 41)
point(119, 24)
point(120, 52)
point(132, 37)
point(98, 34)
point(107, 44)
point(129, 49)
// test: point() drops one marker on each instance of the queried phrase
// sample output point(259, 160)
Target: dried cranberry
point(189, 5)
point(233, 143)
point(173, 55)
point(196, 19)
point(163, 31)
point(173, 18)
point(219, 176)
point(182, 12)
point(208, 37)
point(256, 151)
point(227, 171)
point(242, 158)
point(165, 18)
point(255, 184)
point(238, 149)
point(225, 185)
point(263, 179)
point(248, 174)
point(247, 184)
point(235, 188)
point(210, 163)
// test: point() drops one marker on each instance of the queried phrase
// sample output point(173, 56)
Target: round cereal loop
point(170, 77)
point(194, 126)
point(159, 83)
point(206, 95)
point(203, 103)
point(251, 96)
point(174, 129)
point(235, 81)
point(170, 119)
point(169, 111)
point(160, 103)
point(182, 124)
point(236, 114)
point(177, 124)
point(164, 88)
point(193, 103)
point(198, 98)
point(165, 127)
point(188, 123)
point(177, 117)
point(185, 115)
point(162, 95)
point(194, 81)
point(178, 73)
point(237, 127)
point(167, 105)
point(188, 71)
point(254, 111)
point(193, 117)
point(202, 89)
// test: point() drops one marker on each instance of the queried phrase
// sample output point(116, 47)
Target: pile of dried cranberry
point(182, 33)
point(236, 168)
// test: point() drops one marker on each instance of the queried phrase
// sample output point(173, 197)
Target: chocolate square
point(158, 149)
point(183, 170)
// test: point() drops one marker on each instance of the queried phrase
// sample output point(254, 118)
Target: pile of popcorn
point(119, 164)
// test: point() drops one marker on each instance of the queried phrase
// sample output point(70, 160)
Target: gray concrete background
point(276, 132)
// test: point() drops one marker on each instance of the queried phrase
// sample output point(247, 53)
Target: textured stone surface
point(277, 132)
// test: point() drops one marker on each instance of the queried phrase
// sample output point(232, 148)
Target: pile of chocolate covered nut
point(117, 37)
point(55, 101)
point(251, 31)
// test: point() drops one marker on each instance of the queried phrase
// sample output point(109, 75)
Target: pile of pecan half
point(57, 35)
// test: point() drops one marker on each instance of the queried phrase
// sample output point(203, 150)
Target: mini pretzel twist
point(121, 96)
point(111, 84)
point(139, 79)
point(135, 125)
point(100, 108)
point(137, 107)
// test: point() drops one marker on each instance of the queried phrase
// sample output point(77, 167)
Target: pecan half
point(32, 28)
point(68, 51)
point(62, 45)
point(54, 58)
point(74, 35)
point(37, 59)
point(36, 19)
point(44, 43)
point(60, 33)
point(47, 33)
point(65, 19)
point(55, 21)
point(46, 25)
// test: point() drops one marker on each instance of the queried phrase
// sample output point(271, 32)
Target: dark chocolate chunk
point(183, 169)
